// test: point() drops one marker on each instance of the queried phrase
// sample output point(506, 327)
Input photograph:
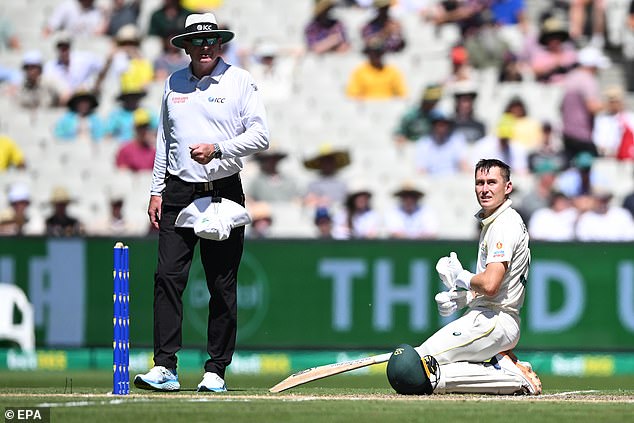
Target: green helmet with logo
point(409, 374)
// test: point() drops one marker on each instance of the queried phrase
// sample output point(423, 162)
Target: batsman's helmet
point(409, 374)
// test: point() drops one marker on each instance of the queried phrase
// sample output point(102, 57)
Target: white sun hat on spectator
point(18, 192)
point(32, 58)
point(213, 217)
point(266, 49)
point(593, 57)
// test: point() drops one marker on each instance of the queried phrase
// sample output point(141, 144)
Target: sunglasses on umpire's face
point(204, 41)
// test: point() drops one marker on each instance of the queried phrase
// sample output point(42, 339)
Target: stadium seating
point(319, 112)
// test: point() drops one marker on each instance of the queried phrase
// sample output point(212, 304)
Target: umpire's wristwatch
point(217, 154)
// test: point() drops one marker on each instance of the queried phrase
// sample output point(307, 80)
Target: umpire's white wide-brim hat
point(201, 24)
point(213, 217)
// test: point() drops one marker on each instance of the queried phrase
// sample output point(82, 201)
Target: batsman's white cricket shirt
point(224, 107)
point(504, 237)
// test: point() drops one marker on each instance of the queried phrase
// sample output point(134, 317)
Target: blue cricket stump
point(121, 321)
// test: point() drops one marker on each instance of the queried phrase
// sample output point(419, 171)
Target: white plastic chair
point(23, 332)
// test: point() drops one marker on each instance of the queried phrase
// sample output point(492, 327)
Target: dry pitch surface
point(585, 396)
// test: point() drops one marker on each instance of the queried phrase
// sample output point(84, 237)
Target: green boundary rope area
point(286, 362)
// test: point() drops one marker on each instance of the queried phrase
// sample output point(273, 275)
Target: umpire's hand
point(201, 153)
point(154, 210)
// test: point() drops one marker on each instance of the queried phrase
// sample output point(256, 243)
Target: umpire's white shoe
point(212, 383)
point(509, 362)
point(159, 378)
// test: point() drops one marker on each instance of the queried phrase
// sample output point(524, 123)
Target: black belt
point(209, 186)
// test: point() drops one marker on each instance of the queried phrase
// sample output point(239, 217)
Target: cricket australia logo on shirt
point(499, 250)
point(216, 99)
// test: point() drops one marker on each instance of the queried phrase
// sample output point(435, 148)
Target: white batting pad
point(476, 378)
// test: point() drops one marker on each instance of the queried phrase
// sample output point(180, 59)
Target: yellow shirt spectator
point(375, 80)
point(201, 5)
point(10, 154)
point(371, 83)
point(528, 132)
point(139, 74)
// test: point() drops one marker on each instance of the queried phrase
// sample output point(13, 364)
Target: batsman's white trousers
point(475, 337)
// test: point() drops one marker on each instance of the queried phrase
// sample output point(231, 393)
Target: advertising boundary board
point(324, 295)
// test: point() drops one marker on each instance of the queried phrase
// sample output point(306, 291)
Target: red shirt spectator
point(138, 154)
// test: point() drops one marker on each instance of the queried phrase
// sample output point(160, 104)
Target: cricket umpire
point(211, 116)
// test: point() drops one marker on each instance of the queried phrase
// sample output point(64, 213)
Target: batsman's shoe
point(509, 362)
point(212, 383)
point(159, 378)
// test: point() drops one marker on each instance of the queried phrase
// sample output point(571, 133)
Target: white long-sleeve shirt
point(224, 107)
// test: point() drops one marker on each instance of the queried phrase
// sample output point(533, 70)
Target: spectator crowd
point(96, 98)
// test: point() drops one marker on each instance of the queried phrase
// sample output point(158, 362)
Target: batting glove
point(448, 269)
point(462, 298)
point(454, 265)
point(446, 306)
point(447, 278)
point(450, 301)
point(461, 277)
point(463, 280)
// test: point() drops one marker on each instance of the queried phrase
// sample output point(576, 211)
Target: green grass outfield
point(341, 398)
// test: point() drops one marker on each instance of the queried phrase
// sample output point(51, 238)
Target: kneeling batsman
point(472, 354)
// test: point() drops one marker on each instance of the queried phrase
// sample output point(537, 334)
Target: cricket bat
point(326, 370)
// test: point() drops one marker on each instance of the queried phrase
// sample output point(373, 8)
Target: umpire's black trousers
point(220, 260)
